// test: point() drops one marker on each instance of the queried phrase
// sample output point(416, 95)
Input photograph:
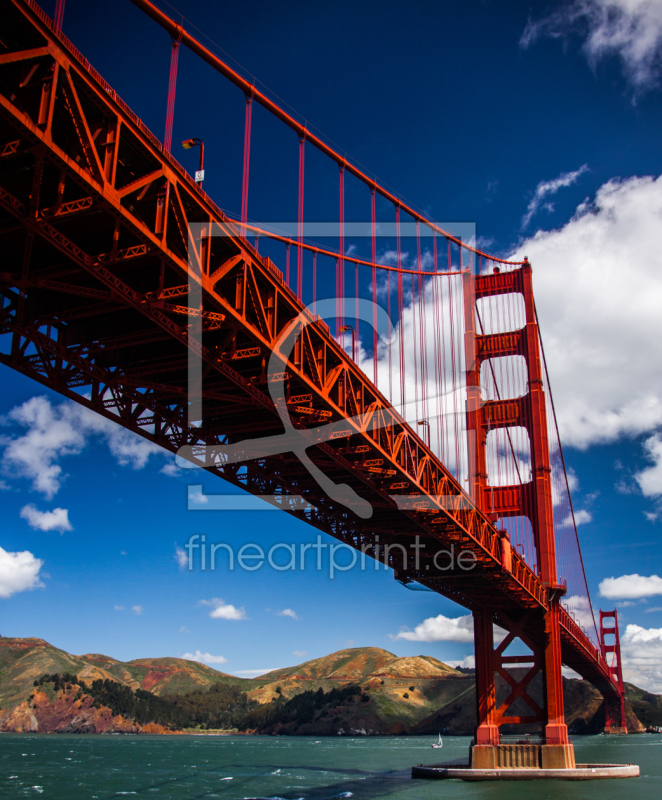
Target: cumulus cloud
point(223, 610)
point(55, 431)
point(631, 30)
point(546, 188)
point(468, 662)
point(300, 653)
point(205, 658)
point(55, 520)
point(181, 557)
point(19, 572)
point(650, 478)
point(579, 607)
point(598, 285)
point(641, 654)
point(137, 610)
point(598, 289)
point(120, 608)
point(582, 516)
point(444, 629)
point(440, 629)
point(631, 587)
point(171, 469)
point(287, 612)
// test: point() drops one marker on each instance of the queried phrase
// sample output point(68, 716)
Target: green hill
point(22, 661)
point(363, 690)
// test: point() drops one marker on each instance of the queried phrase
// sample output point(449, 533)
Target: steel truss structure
point(97, 263)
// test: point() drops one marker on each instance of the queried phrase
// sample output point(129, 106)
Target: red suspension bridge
point(119, 273)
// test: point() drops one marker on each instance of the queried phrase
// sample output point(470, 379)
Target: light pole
point(427, 430)
point(350, 328)
point(187, 144)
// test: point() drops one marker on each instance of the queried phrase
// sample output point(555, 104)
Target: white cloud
point(57, 431)
point(171, 469)
point(599, 317)
point(197, 497)
point(254, 673)
point(582, 516)
point(19, 572)
point(287, 612)
point(223, 610)
point(468, 662)
point(652, 608)
point(300, 653)
point(546, 188)
point(137, 610)
point(598, 321)
point(641, 653)
point(440, 629)
point(628, 29)
point(205, 658)
point(650, 478)
point(579, 607)
point(4, 486)
point(181, 557)
point(573, 480)
point(120, 608)
point(631, 587)
point(184, 629)
point(55, 520)
point(570, 673)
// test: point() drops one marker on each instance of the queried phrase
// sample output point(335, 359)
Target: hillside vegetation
point(354, 691)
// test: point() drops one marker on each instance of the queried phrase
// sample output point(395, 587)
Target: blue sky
point(541, 127)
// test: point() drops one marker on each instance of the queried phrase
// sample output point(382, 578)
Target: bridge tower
point(615, 720)
point(539, 629)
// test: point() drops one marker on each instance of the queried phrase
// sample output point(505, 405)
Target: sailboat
point(439, 743)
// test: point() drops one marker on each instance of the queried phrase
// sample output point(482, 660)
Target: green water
point(69, 767)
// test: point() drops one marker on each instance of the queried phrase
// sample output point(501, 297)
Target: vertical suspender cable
point(401, 338)
point(247, 162)
point(59, 15)
point(357, 339)
point(338, 301)
point(287, 264)
point(315, 282)
point(172, 84)
point(341, 274)
point(390, 338)
point(413, 336)
point(373, 231)
point(302, 150)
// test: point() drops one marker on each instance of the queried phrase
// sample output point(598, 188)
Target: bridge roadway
point(94, 282)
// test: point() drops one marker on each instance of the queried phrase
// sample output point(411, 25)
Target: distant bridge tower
point(615, 720)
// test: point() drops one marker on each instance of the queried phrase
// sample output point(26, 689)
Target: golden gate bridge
point(125, 288)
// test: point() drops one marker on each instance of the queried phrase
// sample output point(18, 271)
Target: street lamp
point(427, 429)
point(350, 328)
point(187, 144)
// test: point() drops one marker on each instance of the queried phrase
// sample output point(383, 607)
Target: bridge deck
point(96, 271)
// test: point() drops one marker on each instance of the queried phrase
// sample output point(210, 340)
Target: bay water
point(87, 767)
